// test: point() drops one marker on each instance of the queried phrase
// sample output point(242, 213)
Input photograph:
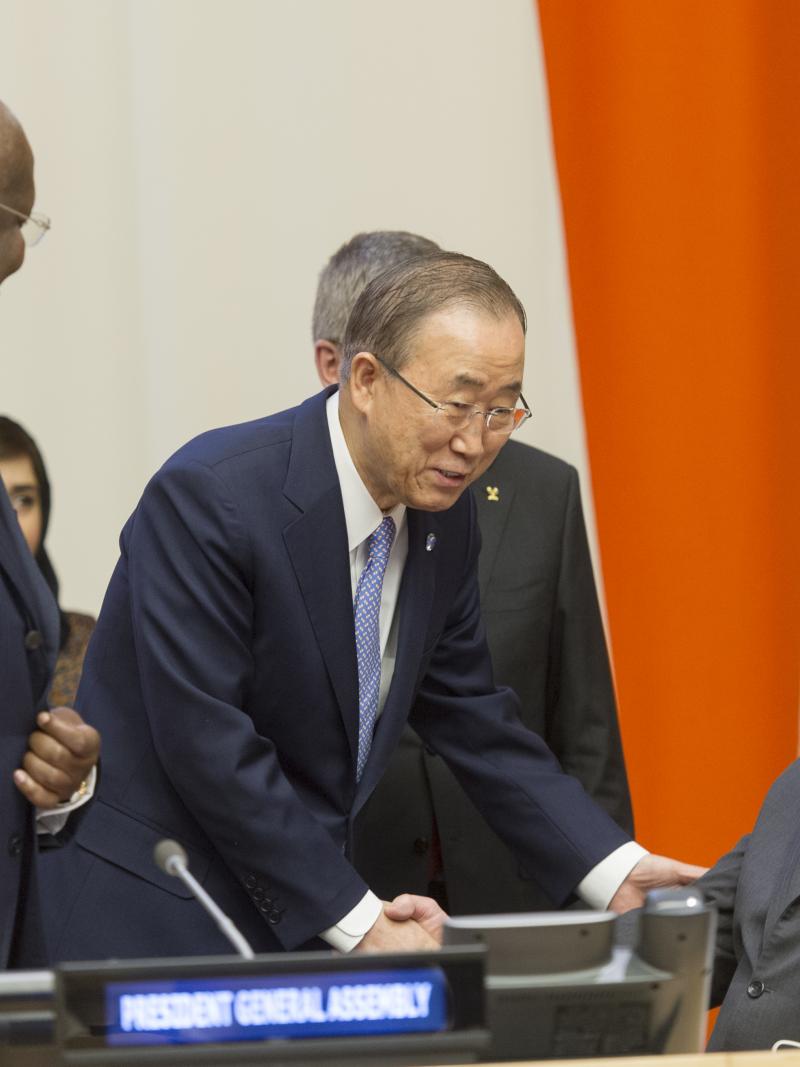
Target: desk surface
point(788, 1058)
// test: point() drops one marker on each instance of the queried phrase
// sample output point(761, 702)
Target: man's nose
point(471, 440)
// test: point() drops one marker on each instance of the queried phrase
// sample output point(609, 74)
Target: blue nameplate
point(255, 1008)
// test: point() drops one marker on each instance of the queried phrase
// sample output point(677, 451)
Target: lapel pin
point(493, 492)
point(430, 542)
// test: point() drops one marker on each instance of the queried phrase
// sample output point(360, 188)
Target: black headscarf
point(14, 442)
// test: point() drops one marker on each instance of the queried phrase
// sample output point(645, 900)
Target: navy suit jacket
point(222, 675)
point(28, 643)
point(546, 638)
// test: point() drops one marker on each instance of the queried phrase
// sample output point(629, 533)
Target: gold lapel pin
point(493, 492)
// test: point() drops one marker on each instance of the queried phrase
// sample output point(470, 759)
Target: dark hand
point(61, 752)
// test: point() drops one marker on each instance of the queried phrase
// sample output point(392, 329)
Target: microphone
point(172, 859)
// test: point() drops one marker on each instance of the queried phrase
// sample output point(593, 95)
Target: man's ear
point(327, 356)
point(361, 382)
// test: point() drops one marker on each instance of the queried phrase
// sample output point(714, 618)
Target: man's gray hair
point(389, 312)
point(352, 268)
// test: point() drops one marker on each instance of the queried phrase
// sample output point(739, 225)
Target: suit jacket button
point(421, 846)
point(15, 845)
point(33, 640)
point(257, 893)
point(250, 881)
point(755, 989)
point(274, 917)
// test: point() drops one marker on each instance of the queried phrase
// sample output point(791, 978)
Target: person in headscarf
point(24, 475)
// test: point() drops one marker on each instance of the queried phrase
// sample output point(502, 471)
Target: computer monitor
point(560, 987)
point(300, 1009)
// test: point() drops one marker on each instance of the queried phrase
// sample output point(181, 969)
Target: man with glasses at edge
point(46, 759)
point(31, 227)
point(419, 830)
point(291, 592)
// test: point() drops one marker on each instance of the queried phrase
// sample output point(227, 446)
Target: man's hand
point(422, 910)
point(390, 935)
point(652, 872)
point(61, 752)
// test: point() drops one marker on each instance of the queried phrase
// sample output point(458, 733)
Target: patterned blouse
point(70, 660)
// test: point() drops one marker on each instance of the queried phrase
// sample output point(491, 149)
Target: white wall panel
point(201, 159)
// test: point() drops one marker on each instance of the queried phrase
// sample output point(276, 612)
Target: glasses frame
point(439, 407)
point(37, 225)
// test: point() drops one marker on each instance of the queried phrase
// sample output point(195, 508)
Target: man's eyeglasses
point(33, 227)
point(458, 416)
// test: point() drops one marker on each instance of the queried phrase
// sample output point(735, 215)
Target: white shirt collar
point(361, 514)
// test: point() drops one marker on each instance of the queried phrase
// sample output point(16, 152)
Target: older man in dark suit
point(43, 759)
point(290, 593)
point(419, 831)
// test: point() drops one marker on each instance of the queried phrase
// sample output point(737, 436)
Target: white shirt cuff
point(602, 881)
point(53, 820)
point(350, 930)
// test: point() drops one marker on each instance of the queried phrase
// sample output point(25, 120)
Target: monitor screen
point(560, 986)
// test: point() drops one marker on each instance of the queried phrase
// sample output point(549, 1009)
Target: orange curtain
point(676, 127)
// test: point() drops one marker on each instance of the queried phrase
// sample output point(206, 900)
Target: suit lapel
point(16, 579)
point(413, 610)
point(494, 495)
point(30, 593)
point(787, 887)
point(317, 545)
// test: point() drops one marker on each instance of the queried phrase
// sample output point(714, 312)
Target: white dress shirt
point(53, 820)
point(362, 517)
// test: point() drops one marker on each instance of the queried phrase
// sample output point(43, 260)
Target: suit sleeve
point(582, 727)
point(543, 815)
point(191, 574)
point(719, 887)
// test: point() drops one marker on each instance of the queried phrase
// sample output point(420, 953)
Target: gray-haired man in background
point(419, 832)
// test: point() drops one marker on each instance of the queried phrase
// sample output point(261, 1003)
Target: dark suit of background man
point(225, 673)
point(756, 890)
point(29, 632)
point(546, 638)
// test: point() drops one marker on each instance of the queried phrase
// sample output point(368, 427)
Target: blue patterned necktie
point(367, 609)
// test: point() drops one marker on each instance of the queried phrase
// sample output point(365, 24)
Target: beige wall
point(200, 160)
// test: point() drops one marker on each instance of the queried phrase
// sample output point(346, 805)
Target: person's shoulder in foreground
point(756, 890)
